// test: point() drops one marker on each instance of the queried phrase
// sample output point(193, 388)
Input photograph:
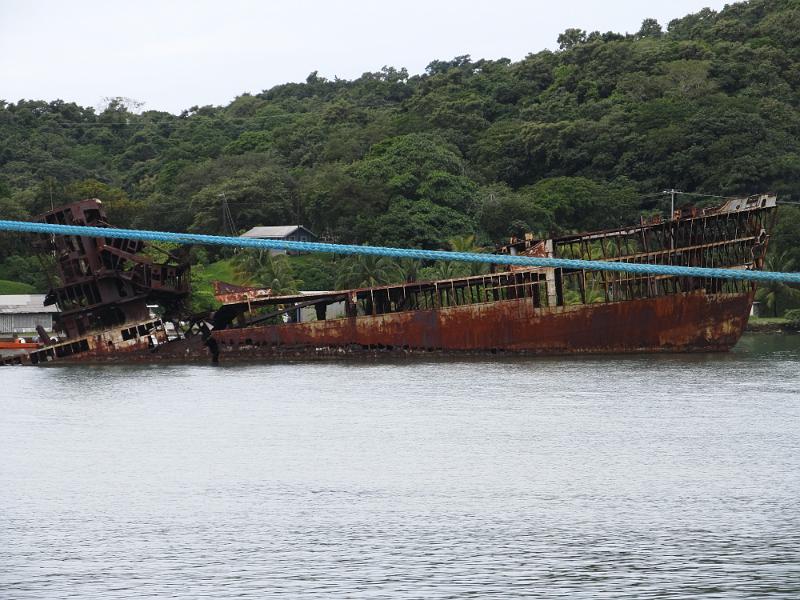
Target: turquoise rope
point(497, 259)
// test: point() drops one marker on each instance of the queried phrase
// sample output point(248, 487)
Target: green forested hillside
point(578, 138)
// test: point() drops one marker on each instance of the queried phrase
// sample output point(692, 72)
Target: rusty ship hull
point(693, 322)
point(533, 311)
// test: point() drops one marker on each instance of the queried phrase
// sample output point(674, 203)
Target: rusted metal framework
point(522, 310)
point(106, 282)
point(538, 310)
point(731, 236)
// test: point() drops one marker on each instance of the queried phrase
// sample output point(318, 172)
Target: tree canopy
point(557, 141)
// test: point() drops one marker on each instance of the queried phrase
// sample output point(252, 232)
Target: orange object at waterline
point(12, 345)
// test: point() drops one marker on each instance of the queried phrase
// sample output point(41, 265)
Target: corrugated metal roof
point(275, 231)
point(25, 304)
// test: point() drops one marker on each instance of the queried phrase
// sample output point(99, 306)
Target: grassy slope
point(222, 270)
point(202, 277)
point(315, 271)
point(15, 287)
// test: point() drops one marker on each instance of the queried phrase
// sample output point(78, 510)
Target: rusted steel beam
point(293, 307)
point(530, 310)
point(228, 293)
point(104, 282)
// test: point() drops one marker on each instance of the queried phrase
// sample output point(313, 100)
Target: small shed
point(293, 233)
point(21, 313)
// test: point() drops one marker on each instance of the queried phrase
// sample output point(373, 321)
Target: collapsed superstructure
point(532, 310)
point(104, 286)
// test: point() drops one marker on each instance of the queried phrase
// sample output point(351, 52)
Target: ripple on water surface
point(616, 477)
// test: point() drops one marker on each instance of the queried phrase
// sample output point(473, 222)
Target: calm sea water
point(613, 477)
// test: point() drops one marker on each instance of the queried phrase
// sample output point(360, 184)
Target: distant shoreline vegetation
point(581, 138)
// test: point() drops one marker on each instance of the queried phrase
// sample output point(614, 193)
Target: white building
point(21, 313)
point(292, 233)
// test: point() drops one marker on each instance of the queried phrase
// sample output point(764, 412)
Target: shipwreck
point(107, 284)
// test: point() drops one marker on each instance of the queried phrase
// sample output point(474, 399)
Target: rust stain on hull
point(524, 311)
point(690, 322)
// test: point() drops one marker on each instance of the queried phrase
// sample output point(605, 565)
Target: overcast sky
point(172, 55)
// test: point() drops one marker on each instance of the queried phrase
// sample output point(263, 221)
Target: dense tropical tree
point(268, 270)
point(558, 141)
point(363, 270)
point(467, 243)
point(406, 270)
point(773, 293)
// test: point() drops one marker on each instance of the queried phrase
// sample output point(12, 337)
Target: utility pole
point(224, 216)
point(671, 193)
point(227, 218)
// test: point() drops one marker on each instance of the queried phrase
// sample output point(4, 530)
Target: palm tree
point(269, 270)
point(771, 292)
point(466, 243)
point(246, 264)
point(406, 270)
point(447, 269)
point(363, 270)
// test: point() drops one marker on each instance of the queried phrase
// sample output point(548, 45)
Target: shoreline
point(771, 325)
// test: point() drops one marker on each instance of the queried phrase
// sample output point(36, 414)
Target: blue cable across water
point(497, 259)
